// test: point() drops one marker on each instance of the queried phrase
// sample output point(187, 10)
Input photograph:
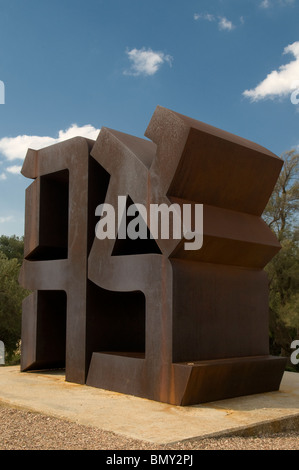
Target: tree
point(11, 296)
point(281, 215)
point(12, 247)
point(281, 212)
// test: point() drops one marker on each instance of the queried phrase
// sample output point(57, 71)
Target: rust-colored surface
point(148, 317)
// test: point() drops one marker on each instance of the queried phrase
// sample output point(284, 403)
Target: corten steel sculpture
point(147, 317)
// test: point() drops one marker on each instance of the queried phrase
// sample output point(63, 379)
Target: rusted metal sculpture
point(147, 317)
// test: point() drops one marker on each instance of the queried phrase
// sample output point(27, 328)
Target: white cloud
point(265, 4)
point(15, 169)
point(146, 61)
point(204, 16)
point(3, 177)
point(279, 82)
point(3, 220)
point(223, 23)
point(15, 148)
point(271, 3)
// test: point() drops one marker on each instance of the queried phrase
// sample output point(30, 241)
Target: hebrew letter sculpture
point(146, 316)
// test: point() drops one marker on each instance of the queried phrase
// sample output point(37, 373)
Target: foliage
point(283, 271)
point(11, 293)
point(282, 208)
point(12, 247)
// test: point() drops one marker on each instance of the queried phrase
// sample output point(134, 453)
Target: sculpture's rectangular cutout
point(115, 322)
point(46, 317)
point(53, 217)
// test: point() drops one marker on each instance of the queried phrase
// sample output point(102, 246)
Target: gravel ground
point(25, 430)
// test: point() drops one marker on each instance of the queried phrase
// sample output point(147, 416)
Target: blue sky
point(71, 67)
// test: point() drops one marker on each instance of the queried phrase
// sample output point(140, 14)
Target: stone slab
point(154, 422)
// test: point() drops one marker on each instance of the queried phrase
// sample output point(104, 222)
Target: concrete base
point(154, 422)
